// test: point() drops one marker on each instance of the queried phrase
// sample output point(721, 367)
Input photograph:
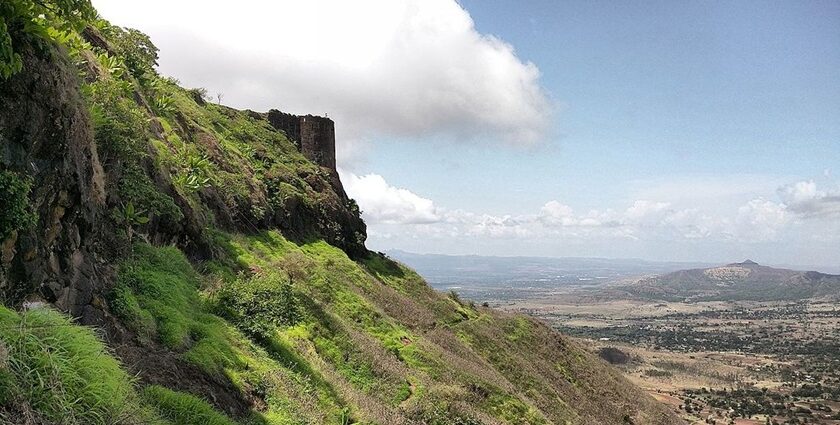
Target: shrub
point(119, 124)
point(614, 355)
point(136, 187)
point(140, 53)
point(260, 303)
point(14, 197)
point(36, 19)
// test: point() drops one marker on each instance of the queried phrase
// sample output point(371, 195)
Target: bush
point(260, 303)
point(43, 20)
point(137, 188)
point(614, 355)
point(119, 124)
point(14, 197)
point(139, 52)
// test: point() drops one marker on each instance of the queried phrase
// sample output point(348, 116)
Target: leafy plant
point(131, 217)
point(120, 126)
point(191, 182)
point(136, 48)
point(16, 213)
point(111, 64)
point(164, 105)
point(195, 170)
point(35, 18)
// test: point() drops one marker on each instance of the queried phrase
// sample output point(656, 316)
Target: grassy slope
point(371, 343)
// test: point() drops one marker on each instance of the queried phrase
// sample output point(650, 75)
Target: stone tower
point(314, 135)
point(317, 140)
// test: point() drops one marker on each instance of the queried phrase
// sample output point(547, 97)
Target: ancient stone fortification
point(314, 135)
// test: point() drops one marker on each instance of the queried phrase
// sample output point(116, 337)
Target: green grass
point(63, 373)
point(160, 294)
point(182, 408)
point(157, 294)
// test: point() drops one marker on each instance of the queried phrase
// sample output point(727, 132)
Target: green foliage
point(10, 61)
point(16, 214)
point(164, 105)
point(131, 217)
point(111, 65)
point(136, 187)
point(159, 283)
point(194, 169)
point(136, 48)
point(182, 408)
point(62, 373)
point(120, 126)
point(36, 18)
point(260, 303)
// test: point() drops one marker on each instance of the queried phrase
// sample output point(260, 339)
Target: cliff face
point(46, 136)
point(225, 267)
point(179, 175)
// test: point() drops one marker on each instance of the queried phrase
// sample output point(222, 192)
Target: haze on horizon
point(702, 132)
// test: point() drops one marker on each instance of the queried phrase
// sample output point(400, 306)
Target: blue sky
point(702, 131)
point(646, 90)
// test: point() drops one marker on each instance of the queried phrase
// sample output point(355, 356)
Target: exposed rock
point(45, 134)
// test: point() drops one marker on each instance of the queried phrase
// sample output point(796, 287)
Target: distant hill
point(477, 270)
point(747, 280)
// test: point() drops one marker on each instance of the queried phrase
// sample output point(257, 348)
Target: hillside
point(169, 260)
point(747, 280)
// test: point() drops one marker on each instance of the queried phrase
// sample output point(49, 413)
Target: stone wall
point(317, 140)
point(313, 135)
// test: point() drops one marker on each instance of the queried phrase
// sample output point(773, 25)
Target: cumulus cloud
point(657, 228)
point(383, 203)
point(806, 199)
point(647, 213)
point(760, 220)
point(378, 67)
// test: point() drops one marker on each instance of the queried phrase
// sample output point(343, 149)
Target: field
point(713, 362)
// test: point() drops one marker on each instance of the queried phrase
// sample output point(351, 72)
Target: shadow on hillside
point(379, 265)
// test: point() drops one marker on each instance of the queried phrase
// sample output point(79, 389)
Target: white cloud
point(805, 199)
point(378, 67)
point(722, 231)
point(647, 213)
point(383, 203)
point(760, 220)
point(554, 213)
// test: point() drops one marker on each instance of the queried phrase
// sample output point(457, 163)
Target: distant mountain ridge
point(480, 269)
point(746, 280)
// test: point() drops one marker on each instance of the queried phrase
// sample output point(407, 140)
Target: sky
point(682, 131)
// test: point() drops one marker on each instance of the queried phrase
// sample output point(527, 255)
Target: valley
point(720, 362)
point(712, 360)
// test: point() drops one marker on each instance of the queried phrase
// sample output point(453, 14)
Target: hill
point(747, 280)
point(168, 260)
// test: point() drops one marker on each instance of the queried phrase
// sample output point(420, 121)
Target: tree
point(137, 49)
point(42, 19)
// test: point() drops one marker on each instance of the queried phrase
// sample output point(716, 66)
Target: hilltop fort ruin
point(313, 135)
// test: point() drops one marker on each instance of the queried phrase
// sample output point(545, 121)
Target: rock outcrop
point(45, 135)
